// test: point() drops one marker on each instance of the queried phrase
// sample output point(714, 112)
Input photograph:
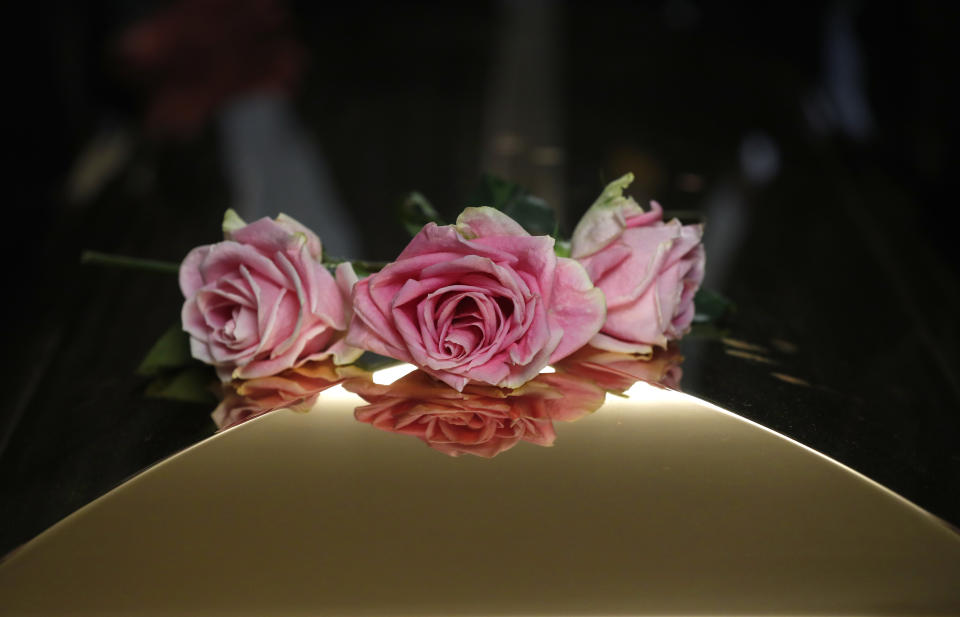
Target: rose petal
point(643, 321)
point(578, 309)
point(605, 341)
point(191, 278)
point(371, 329)
point(284, 234)
point(294, 227)
point(223, 260)
point(194, 323)
point(605, 220)
point(650, 250)
point(634, 218)
point(485, 221)
point(199, 350)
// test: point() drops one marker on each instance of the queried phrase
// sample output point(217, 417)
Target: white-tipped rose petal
point(579, 308)
point(484, 221)
point(191, 278)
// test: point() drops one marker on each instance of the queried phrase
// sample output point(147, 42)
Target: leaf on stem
point(711, 306)
point(372, 362)
point(192, 384)
point(132, 263)
point(170, 351)
point(534, 214)
point(415, 212)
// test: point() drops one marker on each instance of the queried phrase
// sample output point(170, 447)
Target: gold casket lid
point(656, 504)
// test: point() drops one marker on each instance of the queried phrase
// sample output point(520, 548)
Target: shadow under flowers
point(482, 420)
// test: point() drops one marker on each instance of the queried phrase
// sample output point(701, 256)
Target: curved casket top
point(658, 503)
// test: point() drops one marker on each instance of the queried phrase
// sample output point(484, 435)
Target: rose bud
point(649, 270)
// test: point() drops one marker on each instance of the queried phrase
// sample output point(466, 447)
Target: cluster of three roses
point(479, 301)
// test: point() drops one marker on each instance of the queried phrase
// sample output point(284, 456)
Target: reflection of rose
point(261, 302)
point(482, 300)
point(234, 409)
point(648, 269)
point(296, 388)
point(616, 371)
point(482, 420)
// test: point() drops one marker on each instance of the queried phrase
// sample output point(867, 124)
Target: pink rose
point(648, 269)
point(481, 420)
point(261, 302)
point(480, 300)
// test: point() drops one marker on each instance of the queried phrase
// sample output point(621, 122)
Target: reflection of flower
point(261, 302)
point(480, 300)
point(649, 270)
point(234, 409)
point(616, 371)
point(296, 388)
point(481, 420)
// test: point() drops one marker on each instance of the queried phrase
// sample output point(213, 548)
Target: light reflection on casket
point(658, 503)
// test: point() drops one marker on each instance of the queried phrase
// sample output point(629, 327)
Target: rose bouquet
point(480, 307)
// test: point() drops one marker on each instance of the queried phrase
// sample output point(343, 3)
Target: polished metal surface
point(656, 504)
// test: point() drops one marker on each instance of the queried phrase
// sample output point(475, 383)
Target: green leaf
point(370, 361)
point(707, 331)
point(415, 212)
point(172, 350)
point(362, 267)
point(361, 272)
point(192, 385)
point(494, 191)
point(613, 192)
point(534, 214)
point(711, 306)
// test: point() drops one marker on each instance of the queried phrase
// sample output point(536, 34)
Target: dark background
point(815, 140)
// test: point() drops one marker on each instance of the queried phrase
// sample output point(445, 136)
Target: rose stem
point(133, 263)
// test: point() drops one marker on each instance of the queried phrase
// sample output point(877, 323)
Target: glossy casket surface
point(656, 504)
